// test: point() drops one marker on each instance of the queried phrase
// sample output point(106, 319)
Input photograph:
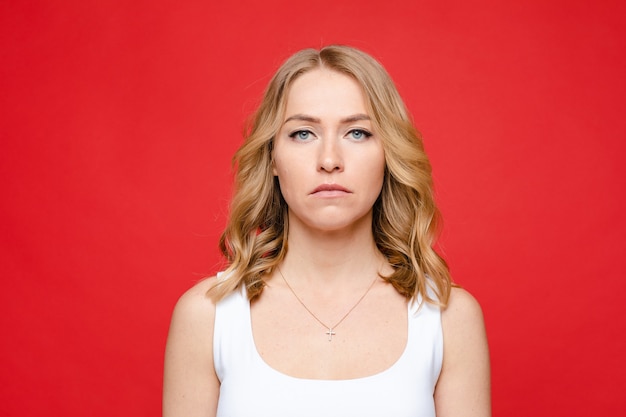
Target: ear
point(274, 172)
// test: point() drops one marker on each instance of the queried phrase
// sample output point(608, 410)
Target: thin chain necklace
point(330, 331)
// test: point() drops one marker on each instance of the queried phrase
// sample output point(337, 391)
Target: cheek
point(282, 173)
point(377, 166)
point(281, 160)
point(279, 169)
point(278, 165)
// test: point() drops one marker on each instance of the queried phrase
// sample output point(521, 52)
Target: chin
point(340, 223)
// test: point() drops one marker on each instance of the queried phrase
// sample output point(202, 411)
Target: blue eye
point(359, 134)
point(300, 135)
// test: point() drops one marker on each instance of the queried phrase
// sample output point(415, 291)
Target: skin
point(330, 166)
point(327, 142)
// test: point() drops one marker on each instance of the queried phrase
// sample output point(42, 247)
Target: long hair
point(405, 218)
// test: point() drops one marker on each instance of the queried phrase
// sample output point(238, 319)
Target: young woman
point(334, 302)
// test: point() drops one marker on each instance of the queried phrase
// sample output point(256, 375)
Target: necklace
point(330, 331)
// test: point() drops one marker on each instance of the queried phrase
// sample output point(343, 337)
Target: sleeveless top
point(251, 388)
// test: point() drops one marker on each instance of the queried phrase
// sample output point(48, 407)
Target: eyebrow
point(311, 119)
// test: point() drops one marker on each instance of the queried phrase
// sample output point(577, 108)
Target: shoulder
point(190, 385)
point(195, 307)
point(463, 326)
point(462, 310)
point(463, 388)
point(197, 298)
point(194, 316)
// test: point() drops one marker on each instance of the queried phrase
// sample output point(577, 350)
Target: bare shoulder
point(190, 385)
point(463, 388)
point(462, 310)
point(463, 327)
point(196, 300)
point(192, 322)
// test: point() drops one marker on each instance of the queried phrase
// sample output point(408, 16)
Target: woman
point(334, 302)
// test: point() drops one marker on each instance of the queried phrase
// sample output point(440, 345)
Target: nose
point(330, 156)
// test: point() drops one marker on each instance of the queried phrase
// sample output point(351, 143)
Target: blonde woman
point(334, 302)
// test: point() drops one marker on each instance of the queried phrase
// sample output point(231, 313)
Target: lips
point(330, 189)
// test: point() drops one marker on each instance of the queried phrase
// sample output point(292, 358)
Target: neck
point(345, 256)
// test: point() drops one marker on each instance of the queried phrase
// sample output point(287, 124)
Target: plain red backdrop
point(119, 119)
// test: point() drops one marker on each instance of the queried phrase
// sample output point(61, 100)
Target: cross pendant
point(330, 334)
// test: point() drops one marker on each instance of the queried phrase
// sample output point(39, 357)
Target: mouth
point(330, 190)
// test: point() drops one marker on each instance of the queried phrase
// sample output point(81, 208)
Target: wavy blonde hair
point(405, 218)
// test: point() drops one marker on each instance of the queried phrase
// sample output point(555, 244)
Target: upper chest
point(330, 340)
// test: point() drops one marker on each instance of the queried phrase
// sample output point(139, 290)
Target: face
point(329, 161)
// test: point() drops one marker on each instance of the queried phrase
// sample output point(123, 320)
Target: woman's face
point(329, 162)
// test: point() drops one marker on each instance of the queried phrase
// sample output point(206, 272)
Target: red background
point(119, 120)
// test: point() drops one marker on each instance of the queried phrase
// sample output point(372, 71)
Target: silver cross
point(330, 334)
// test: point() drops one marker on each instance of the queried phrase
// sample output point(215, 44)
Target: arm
point(463, 388)
point(190, 385)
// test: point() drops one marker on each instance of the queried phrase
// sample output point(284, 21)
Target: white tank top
point(251, 388)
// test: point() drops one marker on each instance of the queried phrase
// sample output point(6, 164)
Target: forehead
point(323, 91)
